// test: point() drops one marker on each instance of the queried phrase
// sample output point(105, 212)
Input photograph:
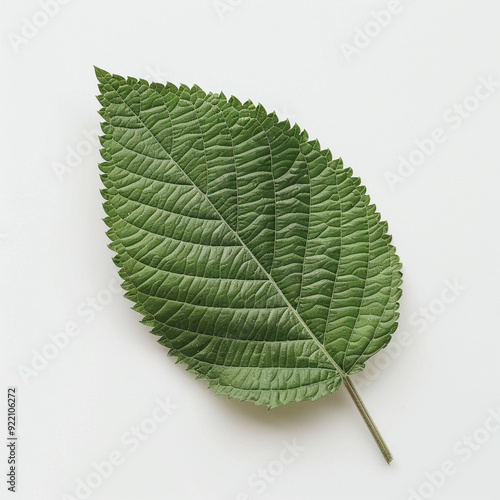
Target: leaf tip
point(101, 74)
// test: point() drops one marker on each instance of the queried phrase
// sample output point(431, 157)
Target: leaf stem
point(367, 418)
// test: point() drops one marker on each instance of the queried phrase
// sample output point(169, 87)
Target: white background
point(433, 389)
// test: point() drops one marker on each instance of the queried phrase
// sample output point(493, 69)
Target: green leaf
point(255, 257)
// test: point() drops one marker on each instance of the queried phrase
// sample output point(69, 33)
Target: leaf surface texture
point(255, 257)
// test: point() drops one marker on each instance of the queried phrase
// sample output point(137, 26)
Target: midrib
point(321, 347)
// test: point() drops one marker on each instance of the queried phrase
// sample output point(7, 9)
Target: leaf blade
point(195, 169)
